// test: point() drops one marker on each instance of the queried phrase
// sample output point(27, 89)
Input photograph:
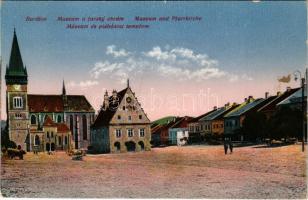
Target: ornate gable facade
point(121, 125)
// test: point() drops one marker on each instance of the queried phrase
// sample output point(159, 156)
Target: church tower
point(16, 78)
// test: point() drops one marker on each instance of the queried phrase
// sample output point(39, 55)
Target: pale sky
point(237, 49)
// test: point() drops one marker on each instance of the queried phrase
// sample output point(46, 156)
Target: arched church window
point(72, 124)
point(84, 127)
point(33, 119)
point(59, 119)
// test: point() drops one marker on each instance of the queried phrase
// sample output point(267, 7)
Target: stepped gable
point(105, 116)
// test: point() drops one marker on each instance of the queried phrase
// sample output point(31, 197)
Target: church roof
point(16, 72)
point(48, 122)
point(55, 103)
point(78, 103)
point(62, 128)
point(104, 116)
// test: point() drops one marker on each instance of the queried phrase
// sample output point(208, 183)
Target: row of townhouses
point(224, 121)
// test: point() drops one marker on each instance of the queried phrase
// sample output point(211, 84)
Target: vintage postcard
point(154, 99)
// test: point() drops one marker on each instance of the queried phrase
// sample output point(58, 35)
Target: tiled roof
point(48, 122)
point(62, 128)
point(156, 129)
point(214, 114)
point(182, 122)
point(230, 109)
point(104, 116)
point(55, 103)
point(45, 103)
point(296, 97)
point(272, 105)
point(196, 119)
point(244, 108)
point(78, 103)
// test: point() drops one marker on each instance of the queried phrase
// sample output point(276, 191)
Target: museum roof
point(105, 115)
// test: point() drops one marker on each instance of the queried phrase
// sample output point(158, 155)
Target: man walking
point(231, 146)
point(225, 146)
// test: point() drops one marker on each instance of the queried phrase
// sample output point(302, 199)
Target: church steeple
point(16, 73)
point(63, 89)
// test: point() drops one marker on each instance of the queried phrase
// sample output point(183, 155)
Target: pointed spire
point(15, 58)
point(128, 82)
point(63, 88)
point(16, 72)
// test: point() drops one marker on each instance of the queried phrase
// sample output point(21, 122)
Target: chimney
point(106, 100)
point(250, 99)
point(278, 93)
point(288, 89)
point(227, 105)
point(266, 95)
point(234, 104)
point(215, 108)
point(245, 99)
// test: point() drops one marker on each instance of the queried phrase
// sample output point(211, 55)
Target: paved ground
point(172, 172)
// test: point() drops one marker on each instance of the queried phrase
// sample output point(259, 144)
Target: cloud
point(235, 77)
point(111, 50)
point(246, 77)
point(82, 84)
point(182, 63)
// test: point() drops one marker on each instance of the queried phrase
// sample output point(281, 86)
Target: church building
point(44, 122)
point(121, 125)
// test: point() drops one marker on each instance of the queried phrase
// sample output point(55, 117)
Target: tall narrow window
point(84, 127)
point(59, 119)
point(65, 140)
point(72, 124)
point(59, 140)
point(141, 132)
point(33, 119)
point(118, 133)
point(17, 102)
point(130, 132)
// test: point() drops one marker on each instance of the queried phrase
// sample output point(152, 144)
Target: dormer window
point(17, 102)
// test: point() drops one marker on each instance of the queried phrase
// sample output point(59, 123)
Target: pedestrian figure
point(226, 147)
point(231, 146)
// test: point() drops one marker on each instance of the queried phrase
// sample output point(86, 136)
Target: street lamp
point(297, 74)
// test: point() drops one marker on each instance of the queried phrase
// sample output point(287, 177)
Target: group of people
point(228, 144)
